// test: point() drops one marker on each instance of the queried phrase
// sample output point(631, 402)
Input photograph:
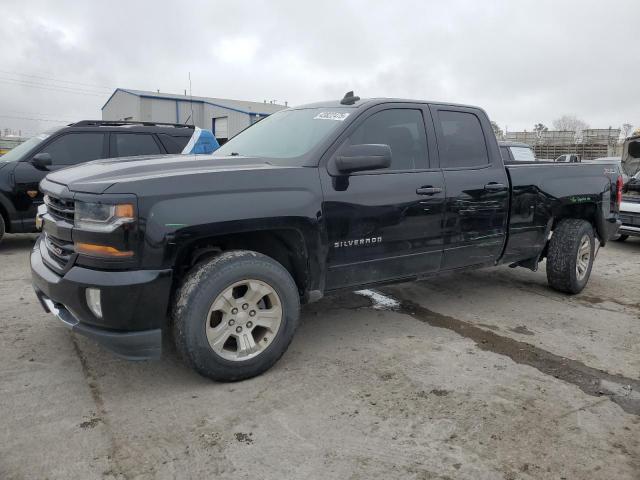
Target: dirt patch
point(244, 437)
point(591, 299)
point(521, 329)
point(91, 423)
point(622, 390)
point(440, 393)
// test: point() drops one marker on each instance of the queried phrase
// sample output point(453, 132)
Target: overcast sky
point(522, 61)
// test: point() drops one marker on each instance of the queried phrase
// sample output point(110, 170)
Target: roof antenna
point(349, 98)
point(191, 101)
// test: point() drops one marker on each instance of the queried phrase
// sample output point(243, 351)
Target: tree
point(571, 123)
point(496, 129)
point(626, 130)
point(538, 129)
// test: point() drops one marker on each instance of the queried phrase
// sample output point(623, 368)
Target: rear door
point(477, 186)
point(385, 224)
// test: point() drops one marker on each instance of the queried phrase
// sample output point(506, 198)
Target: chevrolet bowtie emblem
point(32, 193)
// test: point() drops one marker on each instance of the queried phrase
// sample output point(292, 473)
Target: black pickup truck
point(219, 251)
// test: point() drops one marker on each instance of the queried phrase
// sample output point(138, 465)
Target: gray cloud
point(524, 62)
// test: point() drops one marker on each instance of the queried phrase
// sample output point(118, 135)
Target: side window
point(132, 144)
point(401, 129)
point(504, 152)
point(74, 148)
point(173, 144)
point(462, 143)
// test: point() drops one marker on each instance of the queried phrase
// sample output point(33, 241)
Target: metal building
point(224, 117)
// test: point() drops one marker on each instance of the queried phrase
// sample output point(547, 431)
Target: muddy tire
point(620, 237)
point(235, 315)
point(570, 255)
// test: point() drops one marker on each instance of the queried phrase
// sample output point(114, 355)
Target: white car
point(630, 210)
point(630, 206)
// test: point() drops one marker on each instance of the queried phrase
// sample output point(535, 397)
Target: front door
point(66, 150)
point(477, 201)
point(384, 225)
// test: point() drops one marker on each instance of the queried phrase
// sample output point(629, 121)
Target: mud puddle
point(622, 390)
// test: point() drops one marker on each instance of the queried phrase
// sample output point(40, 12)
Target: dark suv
point(22, 168)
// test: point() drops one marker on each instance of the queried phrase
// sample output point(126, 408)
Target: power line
point(62, 87)
point(57, 80)
point(36, 119)
point(52, 87)
point(39, 114)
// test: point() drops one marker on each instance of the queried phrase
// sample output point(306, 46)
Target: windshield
point(17, 152)
point(523, 154)
point(286, 134)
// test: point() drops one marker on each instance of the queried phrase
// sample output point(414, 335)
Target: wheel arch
point(287, 246)
point(588, 211)
point(5, 216)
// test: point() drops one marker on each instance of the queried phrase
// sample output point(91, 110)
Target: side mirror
point(359, 158)
point(42, 161)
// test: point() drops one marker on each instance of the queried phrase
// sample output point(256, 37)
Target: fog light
point(93, 301)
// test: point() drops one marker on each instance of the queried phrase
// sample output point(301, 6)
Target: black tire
point(194, 299)
point(621, 237)
point(562, 256)
point(2, 228)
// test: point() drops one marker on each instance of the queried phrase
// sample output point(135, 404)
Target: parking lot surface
point(482, 375)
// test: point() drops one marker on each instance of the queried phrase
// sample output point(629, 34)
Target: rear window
point(173, 144)
point(522, 154)
point(462, 142)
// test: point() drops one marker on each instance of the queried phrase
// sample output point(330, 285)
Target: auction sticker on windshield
point(340, 117)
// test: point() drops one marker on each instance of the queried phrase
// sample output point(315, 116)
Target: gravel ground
point(481, 375)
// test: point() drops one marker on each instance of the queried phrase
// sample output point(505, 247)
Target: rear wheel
point(570, 256)
point(2, 228)
point(235, 315)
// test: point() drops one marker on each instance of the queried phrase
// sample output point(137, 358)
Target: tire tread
point(560, 255)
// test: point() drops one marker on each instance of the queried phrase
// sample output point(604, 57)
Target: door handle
point(492, 187)
point(428, 190)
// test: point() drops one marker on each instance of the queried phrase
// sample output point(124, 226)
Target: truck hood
point(99, 175)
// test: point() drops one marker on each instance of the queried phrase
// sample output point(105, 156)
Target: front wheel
point(234, 316)
point(2, 228)
point(620, 237)
point(570, 256)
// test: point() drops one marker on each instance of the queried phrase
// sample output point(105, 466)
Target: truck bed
point(540, 191)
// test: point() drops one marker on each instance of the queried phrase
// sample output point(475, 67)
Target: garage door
point(221, 127)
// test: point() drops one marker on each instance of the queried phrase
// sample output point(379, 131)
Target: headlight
point(100, 217)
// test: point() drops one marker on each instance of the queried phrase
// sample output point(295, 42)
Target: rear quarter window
point(173, 144)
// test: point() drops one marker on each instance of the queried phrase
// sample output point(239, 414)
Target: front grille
point(59, 208)
point(57, 239)
point(60, 251)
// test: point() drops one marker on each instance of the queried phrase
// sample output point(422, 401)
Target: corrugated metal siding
point(236, 121)
point(121, 106)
